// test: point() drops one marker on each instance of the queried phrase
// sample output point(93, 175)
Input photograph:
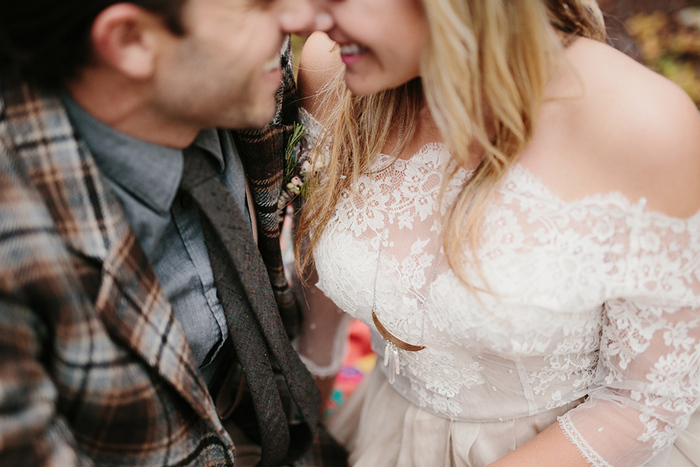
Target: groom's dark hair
point(47, 41)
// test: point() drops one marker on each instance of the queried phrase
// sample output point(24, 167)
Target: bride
point(513, 207)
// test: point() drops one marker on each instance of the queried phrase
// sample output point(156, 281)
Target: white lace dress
point(593, 321)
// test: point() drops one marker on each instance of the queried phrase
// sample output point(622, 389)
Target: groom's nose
point(303, 17)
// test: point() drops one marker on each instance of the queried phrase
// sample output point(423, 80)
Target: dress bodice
point(596, 298)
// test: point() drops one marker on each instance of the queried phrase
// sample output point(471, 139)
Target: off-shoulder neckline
point(614, 196)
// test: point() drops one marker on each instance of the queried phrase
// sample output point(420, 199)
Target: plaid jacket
point(94, 367)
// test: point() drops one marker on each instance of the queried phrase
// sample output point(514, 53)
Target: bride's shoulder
point(319, 68)
point(640, 130)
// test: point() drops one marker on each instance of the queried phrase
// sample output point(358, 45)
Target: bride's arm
point(321, 343)
point(549, 448)
point(647, 388)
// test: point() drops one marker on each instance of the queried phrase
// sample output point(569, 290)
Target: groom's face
point(225, 70)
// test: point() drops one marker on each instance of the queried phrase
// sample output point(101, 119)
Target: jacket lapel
point(262, 155)
point(88, 216)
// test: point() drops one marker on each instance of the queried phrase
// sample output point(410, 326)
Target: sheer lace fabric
point(596, 298)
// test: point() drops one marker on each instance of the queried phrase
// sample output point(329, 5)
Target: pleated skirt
point(382, 429)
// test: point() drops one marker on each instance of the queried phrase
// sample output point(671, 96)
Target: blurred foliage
point(669, 48)
point(297, 45)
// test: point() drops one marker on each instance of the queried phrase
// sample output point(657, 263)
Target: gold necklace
point(394, 343)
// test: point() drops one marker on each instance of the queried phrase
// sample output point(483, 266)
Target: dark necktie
point(255, 327)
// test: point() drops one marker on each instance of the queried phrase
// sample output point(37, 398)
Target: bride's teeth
point(352, 49)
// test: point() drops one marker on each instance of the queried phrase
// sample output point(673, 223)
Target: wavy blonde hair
point(483, 73)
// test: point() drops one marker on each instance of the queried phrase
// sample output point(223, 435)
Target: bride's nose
point(303, 17)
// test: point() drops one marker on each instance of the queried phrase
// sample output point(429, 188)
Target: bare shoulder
point(641, 129)
point(319, 67)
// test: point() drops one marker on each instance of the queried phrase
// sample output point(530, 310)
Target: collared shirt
point(145, 178)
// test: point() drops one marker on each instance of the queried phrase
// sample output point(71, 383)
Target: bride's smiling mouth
point(351, 53)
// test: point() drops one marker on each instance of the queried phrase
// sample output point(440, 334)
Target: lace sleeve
point(321, 344)
point(648, 376)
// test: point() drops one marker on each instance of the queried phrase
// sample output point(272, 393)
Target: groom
point(139, 323)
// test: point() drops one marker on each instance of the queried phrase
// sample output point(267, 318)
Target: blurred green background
point(662, 34)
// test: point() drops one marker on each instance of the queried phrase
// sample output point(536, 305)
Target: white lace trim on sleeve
point(575, 437)
point(337, 355)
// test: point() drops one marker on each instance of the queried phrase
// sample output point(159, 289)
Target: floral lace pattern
point(595, 298)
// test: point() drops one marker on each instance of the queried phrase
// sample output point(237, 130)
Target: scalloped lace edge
point(337, 355)
point(573, 435)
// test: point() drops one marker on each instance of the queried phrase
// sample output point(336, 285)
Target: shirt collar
point(149, 172)
point(208, 140)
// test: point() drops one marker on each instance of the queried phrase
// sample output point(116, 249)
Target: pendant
point(403, 345)
point(391, 351)
point(391, 360)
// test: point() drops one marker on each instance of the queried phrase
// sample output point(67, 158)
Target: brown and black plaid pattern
point(94, 367)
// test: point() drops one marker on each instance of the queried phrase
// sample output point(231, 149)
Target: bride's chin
point(364, 85)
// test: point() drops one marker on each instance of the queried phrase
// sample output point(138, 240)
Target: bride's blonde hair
point(483, 74)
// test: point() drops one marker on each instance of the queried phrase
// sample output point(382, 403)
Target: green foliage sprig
point(297, 167)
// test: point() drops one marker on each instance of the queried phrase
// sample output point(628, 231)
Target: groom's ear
point(127, 39)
